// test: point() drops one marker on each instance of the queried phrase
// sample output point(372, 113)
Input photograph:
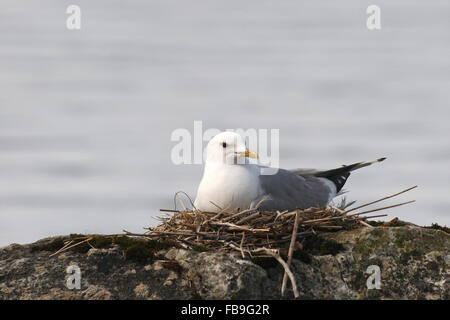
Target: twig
point(365, 224)
point(339, 210)
point(69, 247)
point(216, 205)
point(242, 244)
point(382, 199)
point(256, 214)
point(232, 226)
point(239, 214)
point(64, 247)
point(290, 252)
point(286, 269)
point(383, 208)
point(190, 200)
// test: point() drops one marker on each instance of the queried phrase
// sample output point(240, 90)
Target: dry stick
point(198, 225)
point(236, 227)
point(279, 214)
point(357, 214)
point(248, 218)
point(187, 196)
point(128, 233)
point(169, 210)
point(383, 208)
point(180, 233)
point(330, 227)
point(323, 219)
point(365, 224)
point(286, 270)
point(264, 198)
point(216, 205)
point(242, 243)
point(238, 214)
point(217, 215)
point(182, 203)
point(345, 213)
point(160, 219)
point(272, 253)
point(385, 198)
point(290, 252)
point(207, 235)
point(67, 248)
point(292, 213)
point(338, 210)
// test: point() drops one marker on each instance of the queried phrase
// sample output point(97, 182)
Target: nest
point(253, 232)
point(250, 230)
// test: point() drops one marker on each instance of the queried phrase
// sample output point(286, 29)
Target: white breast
point(228, 186)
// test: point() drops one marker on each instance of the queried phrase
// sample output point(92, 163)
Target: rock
point(141, 291)
point(412, 262)
point(223, 276)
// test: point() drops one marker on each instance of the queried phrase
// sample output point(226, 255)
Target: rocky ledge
point(406, 262)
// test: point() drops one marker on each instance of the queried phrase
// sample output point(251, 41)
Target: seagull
point(232, 182)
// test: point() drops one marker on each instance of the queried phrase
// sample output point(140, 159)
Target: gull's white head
point(228, 148)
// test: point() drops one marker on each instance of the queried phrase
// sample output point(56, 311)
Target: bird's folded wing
point(288, 191)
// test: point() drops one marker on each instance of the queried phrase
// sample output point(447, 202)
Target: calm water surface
point(86, 116)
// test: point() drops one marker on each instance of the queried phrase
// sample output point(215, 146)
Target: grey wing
point(286, 190)
point(338, 176)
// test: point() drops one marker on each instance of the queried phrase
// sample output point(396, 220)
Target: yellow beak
point(250, 154)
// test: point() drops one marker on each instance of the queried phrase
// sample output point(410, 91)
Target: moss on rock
point(137, 250)
point(413, 264)
point(317, 245)
point(435, 226)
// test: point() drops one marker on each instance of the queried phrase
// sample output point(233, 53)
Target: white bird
point(230, 182)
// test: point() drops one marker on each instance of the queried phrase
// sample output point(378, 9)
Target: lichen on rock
point(413, 263)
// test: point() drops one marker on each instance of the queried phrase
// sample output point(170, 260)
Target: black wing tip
point(381, 159)
point(339, 180)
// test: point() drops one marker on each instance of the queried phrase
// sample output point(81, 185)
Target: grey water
point(86, 115)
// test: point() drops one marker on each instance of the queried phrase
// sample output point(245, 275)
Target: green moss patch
point(435, 226)
point(98, 242)
point(134, 249)
point(50, 245)
point(199, 248)
point(393, 223)
point(376, 239)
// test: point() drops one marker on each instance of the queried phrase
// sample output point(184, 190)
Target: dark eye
point(224, 144)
